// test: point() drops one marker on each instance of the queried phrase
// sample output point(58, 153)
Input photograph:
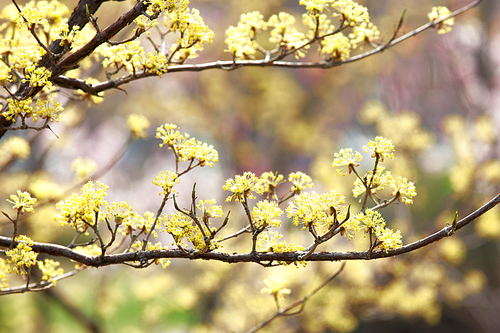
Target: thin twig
point(301, 302)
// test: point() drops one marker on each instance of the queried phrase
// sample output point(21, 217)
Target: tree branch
point(259, 257)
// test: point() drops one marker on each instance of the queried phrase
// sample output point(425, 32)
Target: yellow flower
point(369, 219)
point(38, 77)
point(168, 133)
point(18, 108)
point(138, 124)
point(45, 110)
point(300, 182)
point(284, 35)
point(276, 287)
point(345, 161)
point(240, 40)
point(337, 47)
point(266, 213)
point(270, 181)
point(351, 12)
point(166, 180)
point(49, 270)
point(23, 202)
point(243, 186)
point(315, 6)
point(79, 211)
point(320, 210)
point(438, 13)
point(29, 17)
point(404, 190)
point(389, 238)
point(205, 154)
point(83, 167)
point(209, 208)
point(22, 256)
point(378, 182)
point(381, 148)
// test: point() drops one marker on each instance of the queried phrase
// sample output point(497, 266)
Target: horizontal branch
point(230, 65)
point(260, 257)
point(41, 285)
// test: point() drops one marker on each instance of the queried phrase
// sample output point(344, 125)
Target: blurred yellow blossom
point(49, 270)
point(453, 250)
point(83, 167)
point(138, 124)
point(438, 13)
point(14, 147)
point(276, 286)
point(488, 225)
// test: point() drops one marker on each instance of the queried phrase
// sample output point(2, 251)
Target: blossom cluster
point(186, 148)
point(241, 40)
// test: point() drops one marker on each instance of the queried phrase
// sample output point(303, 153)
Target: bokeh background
point(437, 98)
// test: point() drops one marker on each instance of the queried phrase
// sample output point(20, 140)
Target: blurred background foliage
point(436, 97)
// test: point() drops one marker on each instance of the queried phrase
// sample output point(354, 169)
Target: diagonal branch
point(258, 257)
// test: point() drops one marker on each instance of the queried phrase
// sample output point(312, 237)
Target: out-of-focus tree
point(428, 102)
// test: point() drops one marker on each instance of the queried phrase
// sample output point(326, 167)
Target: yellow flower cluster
point(240, 40)
point(337, 46)
point(275, 286)
point(381, 148)
point(284, 35)
point(438, 13)
point(186, 148)
point(378, 182)
point(14, 147)
point(123, 215)
point(21, 257)
point(44, 109)
point(66, 36)
point(372, 221)
point(351, 12)
point(266, 213)
point(31, 17)
point(184, 230)
point(83, 167)
point(345, 161)
point(166, 180)
point(319, 210)
point(138, 124)
point(270, 181)
point(374, 180)
point(80, 210)
point(242, 187)
point(315, 6)
point(192, 29)
point(334, 45)
point(269, 242)
point(300, 181)
point(49, 270)
point(23, 202)
point(38, 77)
point(209, 208)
